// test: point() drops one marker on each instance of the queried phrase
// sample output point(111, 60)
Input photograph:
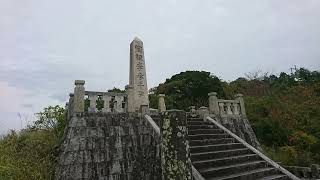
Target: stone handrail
point(229, 107)
point(226, 107)
point(274, 164)
point(117, 99)
point(196, 175)
point(153, 124)
point(113, 102)
point(195, 172)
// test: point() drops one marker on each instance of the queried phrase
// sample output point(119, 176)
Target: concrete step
point(199, 123)
point(225, 161)
point(275, 177)
point(211, 141)
point(234, 168)
point(195, 127)
point(248, 175)
point(216, 147)
point(205, 131)
point(207, 136)
point(219, 154)
point(194, 119)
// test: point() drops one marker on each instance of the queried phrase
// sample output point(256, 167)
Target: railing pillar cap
point(79, 82)
point(212, 94)
point(161, 95)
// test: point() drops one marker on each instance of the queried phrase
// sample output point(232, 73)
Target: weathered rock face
point(110, 147)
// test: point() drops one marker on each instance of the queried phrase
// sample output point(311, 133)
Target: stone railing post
point(93, 103)
point(239, 97)
point(67, 111)
point(213, 103)
point(161, 103)
point(106, 103)
point(79, 93)
point(229, 112)
point(192, 109)
point(235, 108)
point(175, 155)
point(118, 104)
point(221, 108)
point(70, 105)
point(203, 112)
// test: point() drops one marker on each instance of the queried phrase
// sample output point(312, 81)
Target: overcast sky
point(45, 45)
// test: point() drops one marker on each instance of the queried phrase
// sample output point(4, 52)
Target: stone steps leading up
point(217, 155)
point(225, 161)
point(196, 127)
point(198, 123)
point(195, 119)
point(234, 168)
point(253, 174)
point(275, 177)
point(205, 131)
point(220, 154)
point(207, 136)
point(211, 141)
point(215, 147)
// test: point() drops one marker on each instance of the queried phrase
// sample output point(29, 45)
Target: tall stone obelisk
point(137, 89)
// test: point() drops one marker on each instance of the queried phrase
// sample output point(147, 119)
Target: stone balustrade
point(226, 107)
point(97, 101)
point(229, 107)
point(109, 101)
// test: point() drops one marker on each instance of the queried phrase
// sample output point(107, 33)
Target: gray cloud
point(46, 45)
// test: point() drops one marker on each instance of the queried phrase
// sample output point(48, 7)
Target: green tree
point(31, 153)
point(51, 118)
point(188, 88)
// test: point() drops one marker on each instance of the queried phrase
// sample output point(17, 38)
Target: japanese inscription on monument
point(138, 80)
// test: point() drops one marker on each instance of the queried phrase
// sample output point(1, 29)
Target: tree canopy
point(187, 88)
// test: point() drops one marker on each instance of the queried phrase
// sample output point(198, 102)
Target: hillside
point(284, 110)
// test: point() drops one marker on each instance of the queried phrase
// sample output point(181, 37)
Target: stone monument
point(137, 89)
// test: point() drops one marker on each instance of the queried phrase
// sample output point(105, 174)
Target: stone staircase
point(217, 155)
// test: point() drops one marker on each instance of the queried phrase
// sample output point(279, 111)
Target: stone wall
point(312, 172)
point(110, 147)
point(175, 154)
point(241, 127)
